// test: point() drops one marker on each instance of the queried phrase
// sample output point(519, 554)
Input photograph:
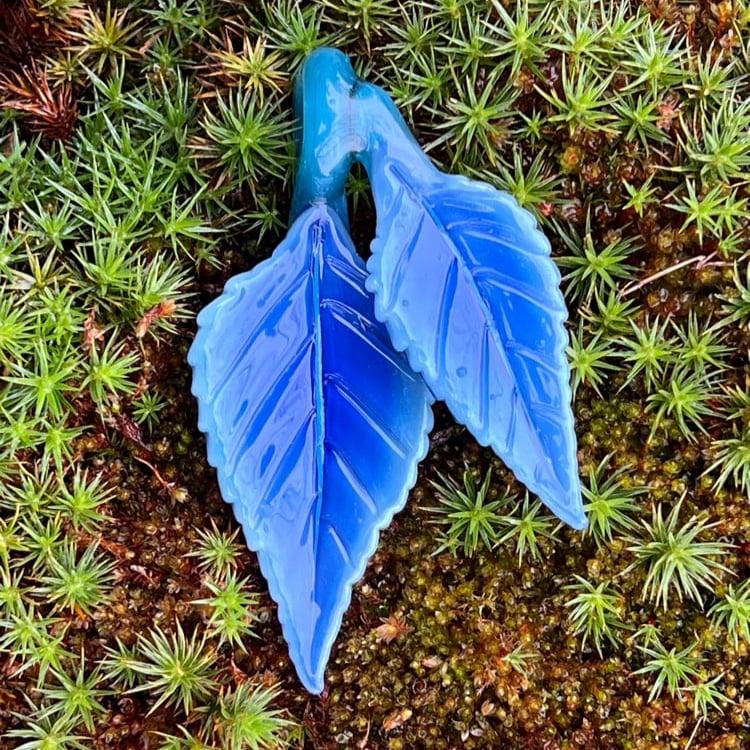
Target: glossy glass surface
point(315, 420)
point(314, 423)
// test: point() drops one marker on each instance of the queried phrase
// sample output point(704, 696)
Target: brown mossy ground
point(443, 681)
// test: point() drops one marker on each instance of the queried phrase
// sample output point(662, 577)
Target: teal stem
point(327, 134)
point(340, 120)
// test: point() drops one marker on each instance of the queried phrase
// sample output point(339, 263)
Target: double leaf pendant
point(315, 374)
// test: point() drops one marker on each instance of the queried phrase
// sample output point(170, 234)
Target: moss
point(613, 136)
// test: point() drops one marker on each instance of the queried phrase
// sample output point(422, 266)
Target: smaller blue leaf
point(314, 423)
point(464, 281)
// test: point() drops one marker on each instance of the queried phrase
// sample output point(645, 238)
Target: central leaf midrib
point(317, 248)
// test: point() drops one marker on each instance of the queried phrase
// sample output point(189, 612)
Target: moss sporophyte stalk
point(621, 128)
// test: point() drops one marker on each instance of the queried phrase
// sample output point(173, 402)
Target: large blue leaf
point(314, 423)
point(464, 281)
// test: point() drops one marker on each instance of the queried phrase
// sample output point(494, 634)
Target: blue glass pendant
point(315, 419)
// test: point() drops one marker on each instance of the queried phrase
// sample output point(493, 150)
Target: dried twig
point(700, 261)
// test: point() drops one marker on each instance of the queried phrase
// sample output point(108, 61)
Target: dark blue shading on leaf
point(463, 279)
point(314, 423)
